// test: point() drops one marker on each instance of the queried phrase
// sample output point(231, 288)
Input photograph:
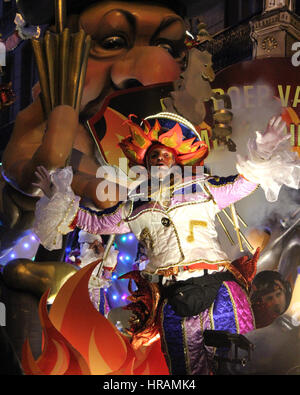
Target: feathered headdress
point(168, 129)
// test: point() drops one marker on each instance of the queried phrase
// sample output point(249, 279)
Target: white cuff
point(53, 216)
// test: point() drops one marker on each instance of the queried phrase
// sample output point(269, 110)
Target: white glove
point(273, 136)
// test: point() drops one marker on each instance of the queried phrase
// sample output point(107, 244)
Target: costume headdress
point(168, 129)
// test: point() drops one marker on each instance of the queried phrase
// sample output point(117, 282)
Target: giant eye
point(167, 47)
point(114, 42)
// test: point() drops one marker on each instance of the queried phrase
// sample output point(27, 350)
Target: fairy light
point(117, 293)
point(25, 247)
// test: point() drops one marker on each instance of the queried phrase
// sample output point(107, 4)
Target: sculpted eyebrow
point(128, 16)
point(165, 23)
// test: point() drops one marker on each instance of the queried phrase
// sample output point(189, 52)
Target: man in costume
point(199, 287)
point(126, 37)
point(91, 249)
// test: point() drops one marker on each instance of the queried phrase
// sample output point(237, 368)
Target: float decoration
point(80, 340)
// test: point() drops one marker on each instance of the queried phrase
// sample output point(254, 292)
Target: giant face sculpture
point(133, 44)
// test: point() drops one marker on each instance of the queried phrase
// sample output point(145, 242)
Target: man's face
point(159, 161)
point(275, 301)
point(133, 44)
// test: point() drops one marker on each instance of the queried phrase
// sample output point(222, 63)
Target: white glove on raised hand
point(44, 181)
point(273, 136)
point(270, 161)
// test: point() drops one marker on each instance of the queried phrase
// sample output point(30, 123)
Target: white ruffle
point(271, 169)
point(98, 282)
point(111, 259)
point(53, 216)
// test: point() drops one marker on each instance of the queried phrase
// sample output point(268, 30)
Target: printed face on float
point(275, 301)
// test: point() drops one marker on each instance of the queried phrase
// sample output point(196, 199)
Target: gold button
point(165, 222)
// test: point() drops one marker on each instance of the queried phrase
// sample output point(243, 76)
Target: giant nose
point(144, 66)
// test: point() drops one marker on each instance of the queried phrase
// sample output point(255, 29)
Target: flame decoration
point(78, 340)
point(135, 146)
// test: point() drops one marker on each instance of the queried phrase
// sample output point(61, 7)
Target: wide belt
point(173, 271)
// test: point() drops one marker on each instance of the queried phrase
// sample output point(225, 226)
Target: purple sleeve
point(228, 190)
point(104, 222)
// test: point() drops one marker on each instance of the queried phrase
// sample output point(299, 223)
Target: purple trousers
point(182, 337)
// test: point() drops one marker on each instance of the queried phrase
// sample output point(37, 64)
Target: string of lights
point(127, 246)
point(117, 293)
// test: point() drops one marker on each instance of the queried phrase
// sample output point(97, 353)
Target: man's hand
point(273, 136)
point(44, 181)
point(97, 246)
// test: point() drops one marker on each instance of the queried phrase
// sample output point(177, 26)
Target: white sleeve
point(271, 169)
point(52, 216)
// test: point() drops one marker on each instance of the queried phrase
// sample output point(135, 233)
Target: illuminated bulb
point(12, 255)
point(124, 297)
point(127, 258)
point(115, 297)
point(124, 238)
point(26, 245)
point(33, 238)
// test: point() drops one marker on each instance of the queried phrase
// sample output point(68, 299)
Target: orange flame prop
point(58, 356)
point(80, 340)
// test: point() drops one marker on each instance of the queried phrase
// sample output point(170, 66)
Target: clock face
point(271, 4)
point(269, 43)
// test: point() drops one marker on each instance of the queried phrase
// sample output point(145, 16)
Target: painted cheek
point(148, 65)
point(97, 77)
